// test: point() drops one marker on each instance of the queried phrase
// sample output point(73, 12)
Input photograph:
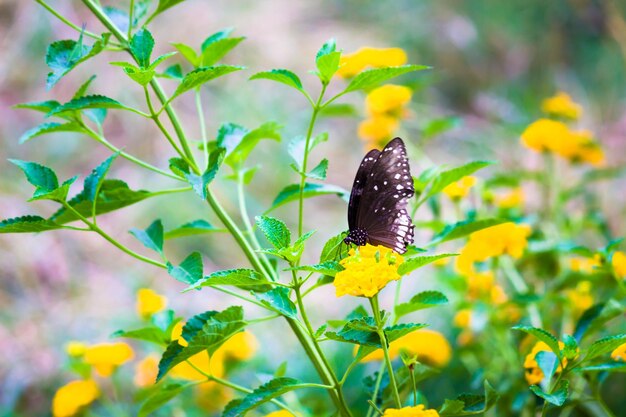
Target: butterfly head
point(356, 236)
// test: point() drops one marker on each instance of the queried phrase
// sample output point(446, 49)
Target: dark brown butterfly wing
point(360, 180)
point(384, 199)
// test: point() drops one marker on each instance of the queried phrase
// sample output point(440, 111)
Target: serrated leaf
point(438, 126)
point(222, 34)
point(319, 172)
point(202, 75)
point(199, 183)
point(188, 52)
point(275, 231)
point(160, 59)
point(239, 141)
point(196, 227)
point(470, 404)
point(411, 264)
point(160, 397)
point(141, 45)
point(445, 178)
point(596, 316)
point(114, 194)
point(373, 77)
point(43, 178)
point(570, 349)
point(93, 182)
point(548, 363)
point(246, 279)
point(63, 56)
point(278, 300)
point(605, 345)
point(327, 61)
point(88, 102)
point(152, 237)
point(543, 336)
point(206, 332)
point(174, 71)
point(463, 229)
point(141, 76)
point(558, 395)
point(360, 331)
point(421, 301)
point(327, 268)
point(332, 248)
point(266, 392)
point(27, 224)
point(150, 334)
point(392, 333)
point(49, 127)
point(41, 106)
point(190, 270)
point(292, 193)
point(280, 75)
point(215, 51)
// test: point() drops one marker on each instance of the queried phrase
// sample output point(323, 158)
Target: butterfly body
point(377, 211)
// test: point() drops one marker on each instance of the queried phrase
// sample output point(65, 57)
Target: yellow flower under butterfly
point(367, 270)
point(562, 105)
point(107, 357)
point(376, 130)
point(417, 411)
point(352, 64)
point(430, 347)
point(72, 397)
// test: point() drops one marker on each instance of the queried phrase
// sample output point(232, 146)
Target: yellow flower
point(463, 318)
point(562, 105)
point(280, 413)
point(388, 99)
point(429, 346)
point(533, 373)
point(585, 265)
point(417, 411)
point(506, 238)
point(480, 283)
point(498, 295)
point(580, 297)
point(149, 302)
point(368, 269)
point(146, 371)
point(619, 264)
point(619, 354)
point(75, 349)
point(106, 357)
point(242, 346)
point(212, 396)
point(461, 188)
point(582, 148)
point(72, 397)
point(542, 134)
point(376, 130)
point(352, 64)
point(514, 198)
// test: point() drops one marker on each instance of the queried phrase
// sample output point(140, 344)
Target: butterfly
point(377, 212)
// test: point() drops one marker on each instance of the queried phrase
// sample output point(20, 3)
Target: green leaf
point(152, 237)
point(43, 178)
point(332, 248)
point(160, 59)
point(280, 75)
point(27, 224)
point(215, 51)
point(412, 264)
point(113, 195)
point(597, 316)
point(239, 141)
point(292, 193)
point(329, 268)
point(204, 332)
point(339, 110)
point(50, 127)
point(88, 102)
point(438, 126)
point(278, 300)
point(548, 363)
point(160, 397)
point(275, 231)
point(189, 53)
point(189, 271)
point(150, 334)
point(558, 395)
point(464, 228)
point(266, 392)
point(543, 336)
point(445, 178)
point(63, 56)
point(222, 34)
point(141, 46)
point(605, 345)
point(360, 331)
point(201, 182)
point(421, 301)
point(202, 75)
point(246, 279)
point(141, 76)
point(470, 404)
point(175, 71)
point(570, 349)
point(373, 77)
point(319, 172)
point(603, 367)
point(42, 106)
point(392, 333)
point(196, 227)
point(327, 61)
point(162, 6)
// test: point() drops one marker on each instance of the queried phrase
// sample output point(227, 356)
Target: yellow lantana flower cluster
point(618, 261)
point(430, 347)
point(585, 265)
point(385, 106)
point(351, 64)
point(533, 373)
point(72, 397)
point(506, 238)
point(512, 199)
point(619, 354)
point(107, 357)
point(547, 135)
point(461, 188)
point(580, 297)
point(367, 270)
point(417, 411)
point(149, 302)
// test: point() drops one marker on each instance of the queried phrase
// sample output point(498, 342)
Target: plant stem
point(131, 11)
point(383, 341)
point(508, 267)
point(305, 159)
point(203, 134)
point(111, 240)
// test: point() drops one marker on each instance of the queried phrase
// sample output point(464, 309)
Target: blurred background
point(493, 62)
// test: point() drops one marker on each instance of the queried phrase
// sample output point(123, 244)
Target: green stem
point(379, 379)
point(111, 240)
point(385, 347)
point(316, 109)
point(518, 283)
point(203, 134)
point(131, 11)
